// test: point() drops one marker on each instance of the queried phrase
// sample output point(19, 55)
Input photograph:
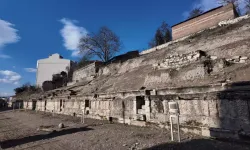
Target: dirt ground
point(37, 130)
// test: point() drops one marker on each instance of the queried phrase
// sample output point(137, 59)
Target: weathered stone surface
point(61, 125)
point(243, 58)
point(176, 61)
point(213, 57)
point(87, 71)
point(123, 90)
point(198, 72)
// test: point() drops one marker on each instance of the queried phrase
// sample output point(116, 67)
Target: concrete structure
point(204, 21)
point(49, 66)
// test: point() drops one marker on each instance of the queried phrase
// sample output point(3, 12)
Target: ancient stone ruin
point(206, 74)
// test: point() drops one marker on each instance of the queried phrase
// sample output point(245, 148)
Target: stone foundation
point(215, 111)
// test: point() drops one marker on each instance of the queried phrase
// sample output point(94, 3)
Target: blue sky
point(34, 29)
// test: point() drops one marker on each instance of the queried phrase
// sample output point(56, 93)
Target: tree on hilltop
point(247, 6)
point(195, 12)
point(235, 2)
point(103, 44)
point(225, 2)
point(84, 61)
point(162, 35)
point(27, 87)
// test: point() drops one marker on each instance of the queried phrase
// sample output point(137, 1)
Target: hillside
point(224, 53)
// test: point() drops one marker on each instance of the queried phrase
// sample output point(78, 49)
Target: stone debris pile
point(233, 21)
point(176, 61)
point(238, 59)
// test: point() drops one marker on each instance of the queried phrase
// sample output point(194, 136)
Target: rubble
point(61, 125)
point(176, 61)
point(233, 21)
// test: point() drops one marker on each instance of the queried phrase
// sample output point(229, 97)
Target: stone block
point(236, 57)
point(205, 132)
point(221, 133)
point(141, 111)
point(189, 57)
point(214, 122)
point(213, 57)
point(242, 61)
point(138, 123)
point(243, 58)
point(212, 106)
point(140, 117)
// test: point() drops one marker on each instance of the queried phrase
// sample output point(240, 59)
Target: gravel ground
point(38, 130)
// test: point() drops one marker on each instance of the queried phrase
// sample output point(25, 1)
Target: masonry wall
point(224, 113)
point(86, 72)
point(205, 21)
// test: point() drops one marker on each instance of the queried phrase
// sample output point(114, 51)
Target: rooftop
point(201, 14)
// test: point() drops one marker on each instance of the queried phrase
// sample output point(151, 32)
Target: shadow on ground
point(5, 109)
point(16, 142)
point(2, 119)
point(201, 144)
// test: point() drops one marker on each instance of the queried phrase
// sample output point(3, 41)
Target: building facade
point(204, 21)
point(49, 66)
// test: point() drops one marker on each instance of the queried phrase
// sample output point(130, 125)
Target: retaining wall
point(213, 111)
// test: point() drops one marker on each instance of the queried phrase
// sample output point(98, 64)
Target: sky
point(34, 29)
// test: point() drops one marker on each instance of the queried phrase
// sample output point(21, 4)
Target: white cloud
point(72, 34)
point(4, 56)
point(30, 69)
point(76, 53)
point(8, 33)
point(7, 76)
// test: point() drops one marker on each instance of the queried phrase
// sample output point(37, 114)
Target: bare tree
point(152, 43)
point(166, 31)
point(225, 2)
point(235, 2)
point(84, 61)
point(195, 12)
point(104, 44)
point(162, 35)
point(247, 6)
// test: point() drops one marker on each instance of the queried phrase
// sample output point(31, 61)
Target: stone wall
point(176, 61)
point(88, 71)
point(217, 110)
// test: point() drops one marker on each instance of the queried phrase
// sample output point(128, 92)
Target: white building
point(49, 66)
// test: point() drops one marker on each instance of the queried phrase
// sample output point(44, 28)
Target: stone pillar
point(134, 108)
point(166, 110)
point(165, 106)
point(147, 107)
